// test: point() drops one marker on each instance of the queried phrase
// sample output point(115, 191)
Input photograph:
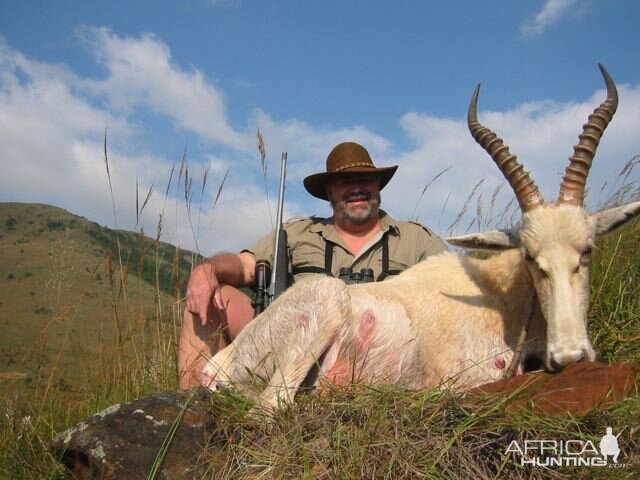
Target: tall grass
point(137, 357)
point(358, 432)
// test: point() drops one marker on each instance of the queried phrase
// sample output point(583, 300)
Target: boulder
point(124, 440)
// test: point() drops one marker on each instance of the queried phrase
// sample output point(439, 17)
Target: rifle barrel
point(274, 290)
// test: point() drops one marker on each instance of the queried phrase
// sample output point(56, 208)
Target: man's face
point(354, 197)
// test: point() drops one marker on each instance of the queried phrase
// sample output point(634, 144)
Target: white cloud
point(552, 12)
point(308, 145)
point(141, 73)
point(52, 124)
point(43, 127)
point(541, 134)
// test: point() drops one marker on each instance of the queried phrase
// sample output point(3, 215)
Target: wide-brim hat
point(347, 157)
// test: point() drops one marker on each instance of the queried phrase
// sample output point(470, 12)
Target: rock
point(578, 389)
point(123, 440)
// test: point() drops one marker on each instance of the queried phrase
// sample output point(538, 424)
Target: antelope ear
point(492, 240)
point(609, 220)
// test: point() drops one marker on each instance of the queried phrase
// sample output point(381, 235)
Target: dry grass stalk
point(492, 205)
point(426, 187)
point(465, 207)
point(144, 203)
point(263, 163)
point(623, 187)
point(444, 207)
point(224, 179)
point(113, 206)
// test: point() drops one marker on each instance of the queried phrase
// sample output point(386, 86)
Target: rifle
point(279, 274)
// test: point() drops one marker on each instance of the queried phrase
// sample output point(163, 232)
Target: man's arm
point(237, 270)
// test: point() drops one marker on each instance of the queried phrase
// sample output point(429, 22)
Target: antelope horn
point(523, 186)
point(575, 177)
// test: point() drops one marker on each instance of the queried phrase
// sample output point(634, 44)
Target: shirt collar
point(326, 227)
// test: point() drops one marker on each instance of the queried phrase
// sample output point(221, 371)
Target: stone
point(124, 440)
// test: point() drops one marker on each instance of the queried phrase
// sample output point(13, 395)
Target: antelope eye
point(586, 255)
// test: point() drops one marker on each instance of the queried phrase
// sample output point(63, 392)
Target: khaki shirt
point(409, 243)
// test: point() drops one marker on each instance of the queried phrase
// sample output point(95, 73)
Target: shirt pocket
point(306, 256)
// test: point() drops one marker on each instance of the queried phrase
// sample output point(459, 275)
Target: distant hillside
point(61, 289)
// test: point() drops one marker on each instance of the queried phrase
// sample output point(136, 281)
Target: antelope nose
point(560, 360)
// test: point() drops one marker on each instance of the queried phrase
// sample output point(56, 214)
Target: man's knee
point(238, 311)
point(200, 342)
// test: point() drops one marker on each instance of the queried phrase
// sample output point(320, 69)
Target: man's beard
point(359, 214)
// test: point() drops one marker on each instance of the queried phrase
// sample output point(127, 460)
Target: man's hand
point(203, 286)
point(208, 277)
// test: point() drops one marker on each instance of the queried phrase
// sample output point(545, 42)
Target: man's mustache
point(356, 196)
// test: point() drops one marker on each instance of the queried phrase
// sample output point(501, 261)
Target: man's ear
point(492, 240)
point(613, 218)
point(327, 190)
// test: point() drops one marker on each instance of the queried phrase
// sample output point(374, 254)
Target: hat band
point(354, 164)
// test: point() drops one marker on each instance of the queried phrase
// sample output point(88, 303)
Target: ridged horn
point(523, 186)
point(575, 177)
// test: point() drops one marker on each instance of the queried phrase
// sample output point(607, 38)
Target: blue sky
point(204, 75)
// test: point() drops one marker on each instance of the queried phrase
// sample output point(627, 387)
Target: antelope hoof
point(213, 379)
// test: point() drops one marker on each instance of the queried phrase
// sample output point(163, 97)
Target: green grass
point(169, 270)
point(390, 433)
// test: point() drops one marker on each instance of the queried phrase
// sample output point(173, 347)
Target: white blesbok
point(451, 320)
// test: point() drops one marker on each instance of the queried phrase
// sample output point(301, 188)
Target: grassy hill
point(65, 296)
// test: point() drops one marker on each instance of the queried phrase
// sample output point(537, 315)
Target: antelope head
point(555, 239)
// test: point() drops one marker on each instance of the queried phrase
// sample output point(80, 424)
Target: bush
point(53, 225)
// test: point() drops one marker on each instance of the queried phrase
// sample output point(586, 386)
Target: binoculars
point(348, 276)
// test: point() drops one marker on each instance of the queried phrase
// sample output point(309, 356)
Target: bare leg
point(200, 342)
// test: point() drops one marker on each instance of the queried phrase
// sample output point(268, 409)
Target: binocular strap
point(328, 261)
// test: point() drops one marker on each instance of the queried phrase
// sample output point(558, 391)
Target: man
point(358, 235)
